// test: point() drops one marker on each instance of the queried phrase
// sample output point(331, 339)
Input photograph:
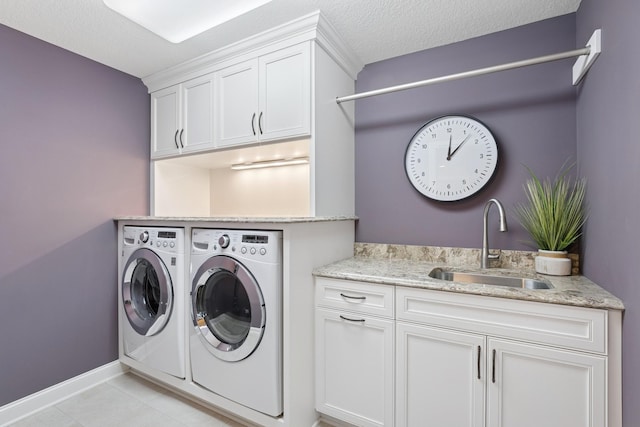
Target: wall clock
point(451, 158)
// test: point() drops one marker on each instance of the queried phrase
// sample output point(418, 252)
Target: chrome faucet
point(485, 255)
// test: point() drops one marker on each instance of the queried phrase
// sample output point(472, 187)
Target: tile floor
point(126, 400)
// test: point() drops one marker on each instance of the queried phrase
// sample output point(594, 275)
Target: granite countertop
point(269, 220)
point(573, 290)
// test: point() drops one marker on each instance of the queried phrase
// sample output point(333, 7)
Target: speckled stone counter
point(410, 266)
point(266, 220)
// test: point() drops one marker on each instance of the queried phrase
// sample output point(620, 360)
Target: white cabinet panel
point(237, 104)
point(365, 298)
point(198, 114)
point(285, 93)
point(571, 327)
point(354, 367)
point(535, 386)
point(440, 377)
point(182, 118)
point(165, 121)
point(265, 99)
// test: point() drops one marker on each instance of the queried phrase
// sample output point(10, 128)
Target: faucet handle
point(495, 255)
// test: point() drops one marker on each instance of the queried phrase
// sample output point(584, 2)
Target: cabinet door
point(236, 108)
point(354, 367)
point(285, 93)
point(197, 111)
point(541, 386)
point(440, 377)
point(165, 121)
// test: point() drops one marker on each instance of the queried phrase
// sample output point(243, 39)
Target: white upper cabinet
point(237, 104)
point(270, 96)
point(165, 122)
point(285, 93)
point(182, 118)
point(265, 99)
point(197, 106)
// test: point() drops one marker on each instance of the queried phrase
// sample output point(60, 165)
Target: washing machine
point(152, 298)
point(236, 310)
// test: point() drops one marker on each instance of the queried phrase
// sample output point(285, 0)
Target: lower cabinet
point(355, 365)
point(355, 352)
point(440, 377)
point(532, 386)
point(447, 377)
point(446, 359)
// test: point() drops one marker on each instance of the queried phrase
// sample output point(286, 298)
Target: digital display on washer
point(254, 238)
point(166, 234)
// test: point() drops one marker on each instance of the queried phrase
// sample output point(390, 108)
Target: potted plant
point(553, 215)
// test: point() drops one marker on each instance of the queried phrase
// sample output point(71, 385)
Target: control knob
point(224, 241)
point(144, 236)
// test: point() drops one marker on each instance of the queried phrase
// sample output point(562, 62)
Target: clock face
point(451, 158)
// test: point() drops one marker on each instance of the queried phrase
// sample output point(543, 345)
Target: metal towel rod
point(587, 56)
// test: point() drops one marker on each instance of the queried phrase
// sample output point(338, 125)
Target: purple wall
point(531, 112)
point(608, 112)
point(75, 150)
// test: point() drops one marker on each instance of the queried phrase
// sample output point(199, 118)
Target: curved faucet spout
point(485, 256)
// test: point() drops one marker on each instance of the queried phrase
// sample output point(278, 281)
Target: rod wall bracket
point(584, 62)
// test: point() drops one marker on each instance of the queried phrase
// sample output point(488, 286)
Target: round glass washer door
point(147, 292)
point(227, 308)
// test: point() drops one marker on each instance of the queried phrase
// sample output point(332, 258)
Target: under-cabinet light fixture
point(176, 20)
point(270, 163)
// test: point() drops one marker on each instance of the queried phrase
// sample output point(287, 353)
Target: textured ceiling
point(374, 29)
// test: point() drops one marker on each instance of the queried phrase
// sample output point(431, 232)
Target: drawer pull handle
point(253, 124)
point(351, 320)
point(493, 374)
point(479, 349)
point(175, 138)
point(352, 297)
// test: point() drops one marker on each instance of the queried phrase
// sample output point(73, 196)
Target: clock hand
point(449, 150)
point(458, 147)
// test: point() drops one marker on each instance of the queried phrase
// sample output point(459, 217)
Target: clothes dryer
point(152, 298)
point(236, 310)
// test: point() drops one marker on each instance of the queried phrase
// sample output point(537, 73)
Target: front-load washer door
point(227, 308)
point(147, 292)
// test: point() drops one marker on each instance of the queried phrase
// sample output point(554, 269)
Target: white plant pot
point(554, 263)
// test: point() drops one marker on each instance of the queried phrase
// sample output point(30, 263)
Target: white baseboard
point(35, 402)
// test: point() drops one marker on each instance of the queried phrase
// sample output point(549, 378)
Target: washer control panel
point(164, 239)
point(259, 245)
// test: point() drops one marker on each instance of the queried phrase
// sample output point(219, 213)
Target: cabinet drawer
point(357, 297)
point(558, 325)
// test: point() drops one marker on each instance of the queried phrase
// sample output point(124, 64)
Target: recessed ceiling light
point(176, 20)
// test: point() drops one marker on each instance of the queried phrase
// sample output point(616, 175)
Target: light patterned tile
point(49, 417)
point(136, 386)
point(102, 406)
point(189, 413)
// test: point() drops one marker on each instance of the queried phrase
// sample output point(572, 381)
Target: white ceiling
point(374, 29)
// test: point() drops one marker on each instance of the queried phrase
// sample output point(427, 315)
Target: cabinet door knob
point(181, 132)
point(260, 123)
point(175, 138)
point(253, 124)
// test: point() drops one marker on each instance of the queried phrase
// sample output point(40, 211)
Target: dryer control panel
point(160, 239)
point(259, 245)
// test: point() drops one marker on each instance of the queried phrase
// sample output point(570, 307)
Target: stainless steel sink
point(486, 279)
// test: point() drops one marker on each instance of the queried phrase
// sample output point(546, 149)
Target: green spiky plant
point(554, 213)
